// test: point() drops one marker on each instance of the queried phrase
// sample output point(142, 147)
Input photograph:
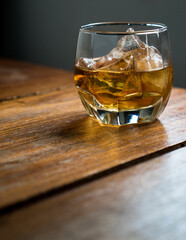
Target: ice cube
point(86, 63)
point(115, 61)
point(130, 42)
point(117, 83)
point(147, 59)
point(121, 57)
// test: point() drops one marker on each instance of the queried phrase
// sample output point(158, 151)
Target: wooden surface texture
point(57, 164)
point(19, 79)
point(143, 202)
point(48, 141)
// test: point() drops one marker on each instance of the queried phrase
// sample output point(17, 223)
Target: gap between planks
point(32, 94)
point(86, 180)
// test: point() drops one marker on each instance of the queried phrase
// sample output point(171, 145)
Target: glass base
point(106, 117)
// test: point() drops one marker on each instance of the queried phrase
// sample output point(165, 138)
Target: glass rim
point(160, 28)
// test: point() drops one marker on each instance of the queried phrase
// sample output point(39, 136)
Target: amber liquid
point(121, 90)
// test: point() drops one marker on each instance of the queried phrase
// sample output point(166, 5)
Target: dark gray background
point(45, 31)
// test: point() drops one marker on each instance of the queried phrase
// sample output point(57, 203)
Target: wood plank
point(146, 201)
point(48, 141)
point(18, 79)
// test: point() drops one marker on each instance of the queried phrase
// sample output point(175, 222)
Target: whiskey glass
point(123, 71)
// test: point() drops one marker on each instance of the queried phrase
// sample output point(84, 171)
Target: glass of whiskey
point(123, 71)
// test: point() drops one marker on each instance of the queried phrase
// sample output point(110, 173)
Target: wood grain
point(142, 202)
point(48, 141)
point(18, 79)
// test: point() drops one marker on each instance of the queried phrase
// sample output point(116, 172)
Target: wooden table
point(63, 176)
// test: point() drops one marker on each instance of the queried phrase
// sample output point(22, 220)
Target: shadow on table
point(88, 131)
